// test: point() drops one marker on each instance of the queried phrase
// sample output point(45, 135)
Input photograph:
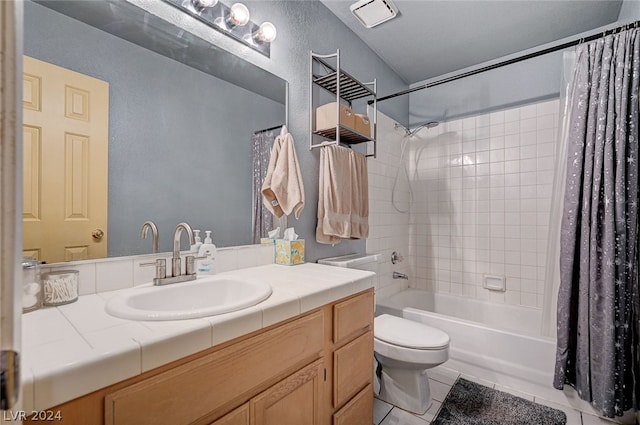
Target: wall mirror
point(181, 116)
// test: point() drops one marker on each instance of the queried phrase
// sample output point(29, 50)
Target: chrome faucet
point(397, 275)
point(175, 261)
point(154, 233)
point(176, 272)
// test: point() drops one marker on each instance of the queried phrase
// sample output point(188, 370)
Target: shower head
point(411, 132)
point(430, 124)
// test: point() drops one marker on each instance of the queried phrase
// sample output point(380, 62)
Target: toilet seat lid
point(407, 333)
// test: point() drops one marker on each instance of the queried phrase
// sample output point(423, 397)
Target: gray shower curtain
point(262, 219)
point(598, 305)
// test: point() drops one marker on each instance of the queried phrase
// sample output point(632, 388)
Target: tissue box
point(267, 241)
point(289, 252)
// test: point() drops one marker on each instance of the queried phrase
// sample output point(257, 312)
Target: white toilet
point(404, 349)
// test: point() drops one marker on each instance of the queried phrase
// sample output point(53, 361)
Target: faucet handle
point(161, 267)
point(191, 263)
point(396, 258)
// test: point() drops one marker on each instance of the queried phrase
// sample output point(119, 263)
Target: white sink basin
point(206, 296)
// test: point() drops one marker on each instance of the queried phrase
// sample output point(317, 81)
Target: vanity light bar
point(232, 21)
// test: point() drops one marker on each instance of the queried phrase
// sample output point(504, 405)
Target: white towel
point(343, 199)
point(283, 189)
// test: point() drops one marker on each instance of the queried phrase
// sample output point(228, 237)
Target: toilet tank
point(367, 262)
point(353, 261)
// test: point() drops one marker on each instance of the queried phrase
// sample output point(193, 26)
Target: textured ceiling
point(432, 38)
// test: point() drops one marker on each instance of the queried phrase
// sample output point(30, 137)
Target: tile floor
point(442, 379)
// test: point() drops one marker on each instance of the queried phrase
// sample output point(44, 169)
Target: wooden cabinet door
point(358, 411)
point(240, 416)
point(220, 380)
point(352, 318)
point(352, 368)
point(294, 400)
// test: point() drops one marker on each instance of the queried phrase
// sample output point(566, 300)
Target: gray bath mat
point(469, 403)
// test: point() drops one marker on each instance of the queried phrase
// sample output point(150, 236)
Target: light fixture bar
point(216, 17)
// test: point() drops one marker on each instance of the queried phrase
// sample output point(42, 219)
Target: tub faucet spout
point(397, 275)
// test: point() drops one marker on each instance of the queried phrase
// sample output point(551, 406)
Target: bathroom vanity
point(313, 367)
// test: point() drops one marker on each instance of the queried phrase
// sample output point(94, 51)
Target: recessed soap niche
point(494, 283)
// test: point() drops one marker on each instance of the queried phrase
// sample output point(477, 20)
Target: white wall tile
point(511, 115)
point(528, 125)
point(491, 213)
point(511, 128)
point(512, 140)
point(482, 143)
point(545, 122)
point(226, 259)
point(112, 275)
point(87, 278)
point(528, 138)
point(528, 111)
point(144, 273)
point(389, 229)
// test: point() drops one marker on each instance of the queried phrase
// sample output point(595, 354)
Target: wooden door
point(295, 400)
point(65, 159)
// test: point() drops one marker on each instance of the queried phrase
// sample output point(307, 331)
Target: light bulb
point(265, 34)
point(198, 6)
point(238, 15)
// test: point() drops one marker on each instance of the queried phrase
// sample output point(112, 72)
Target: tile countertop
point(72, 350)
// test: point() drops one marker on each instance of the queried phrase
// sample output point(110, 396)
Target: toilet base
point(406, 389)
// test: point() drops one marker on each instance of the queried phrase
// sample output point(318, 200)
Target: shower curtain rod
point(512, 61)
point(268, 129)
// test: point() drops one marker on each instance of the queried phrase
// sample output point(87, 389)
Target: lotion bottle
point(206, 265)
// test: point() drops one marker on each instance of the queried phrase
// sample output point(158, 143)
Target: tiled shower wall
point(482, 199)
point(388, 228)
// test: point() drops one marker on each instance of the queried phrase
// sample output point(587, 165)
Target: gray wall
point(529, 81)
point(524, 82)
point(303, 26)
point(179, 139)
point(630, 11)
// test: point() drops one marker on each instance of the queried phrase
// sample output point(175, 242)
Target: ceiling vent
point(373, 12)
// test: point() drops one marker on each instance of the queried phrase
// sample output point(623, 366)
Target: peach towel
point(343, 199)
point(283, 189)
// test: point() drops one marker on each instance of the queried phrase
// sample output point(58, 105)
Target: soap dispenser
point(196, 247)
point(207, 252)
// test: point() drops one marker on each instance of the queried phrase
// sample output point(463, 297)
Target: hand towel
point(283, 189)
point(359, 196)
point(343, 200)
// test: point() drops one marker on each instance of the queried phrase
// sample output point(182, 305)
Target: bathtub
point(501, 343)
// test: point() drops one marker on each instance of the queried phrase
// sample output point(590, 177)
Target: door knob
point(97, 234)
